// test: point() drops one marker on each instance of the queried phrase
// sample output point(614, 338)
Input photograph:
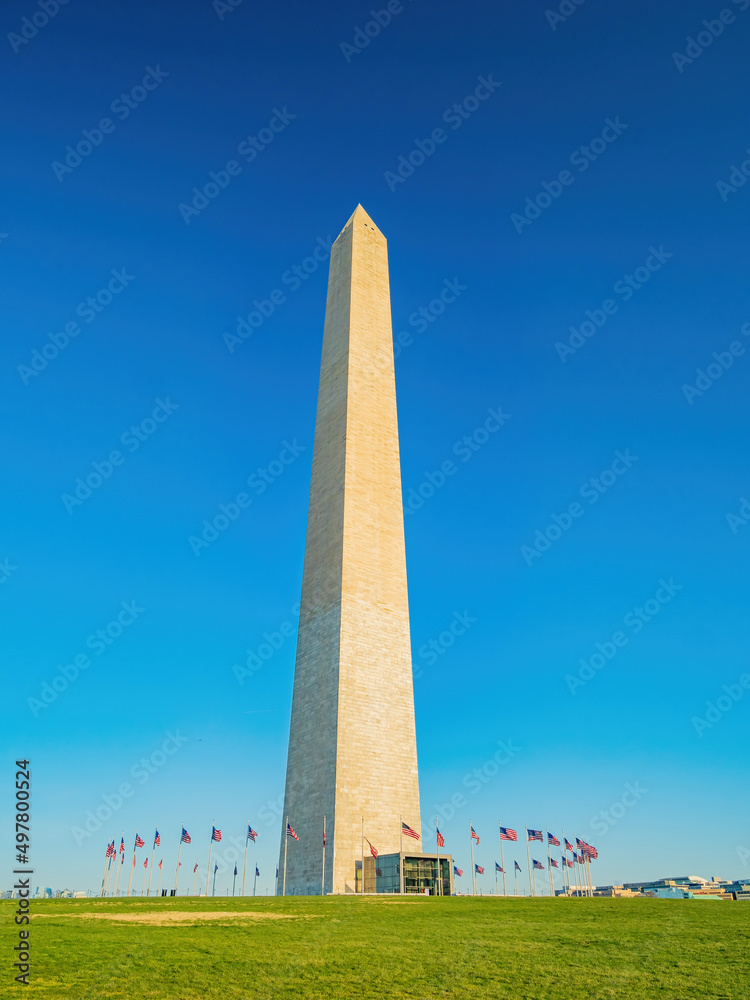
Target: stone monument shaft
point(352, 742)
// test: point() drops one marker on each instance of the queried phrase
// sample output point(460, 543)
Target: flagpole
point(104, 871)
point(565, 855)
point(244, 866)
point(255, 877)
point(213, 890)
point(132, 866)
point(120, 859)
point(151, 867)
point(210, 848)
point(234, 879)
point(195, 876)
point(533, 872)
point(177, 869)
point(515, 876)
point(439, 880)
point(286, 838)
point(323, 876)
point(502, 862)
point(158, 888)
point(549, 866)
point(143, 887)
point(111, 872)
point(473, 869)
point(528, 859)
point(401, 856)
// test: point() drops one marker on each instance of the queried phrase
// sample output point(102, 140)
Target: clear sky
point(570, 208)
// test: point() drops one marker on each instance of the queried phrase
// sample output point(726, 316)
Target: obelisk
point(352, 742)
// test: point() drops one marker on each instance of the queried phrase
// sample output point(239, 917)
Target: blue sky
point(631, 234)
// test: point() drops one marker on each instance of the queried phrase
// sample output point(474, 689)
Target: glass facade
point(420, 874)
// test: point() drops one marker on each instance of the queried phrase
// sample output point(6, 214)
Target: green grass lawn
point(376, 947)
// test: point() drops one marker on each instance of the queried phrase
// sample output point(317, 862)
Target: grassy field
point(376, 947)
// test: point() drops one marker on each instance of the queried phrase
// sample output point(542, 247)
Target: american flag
point(160, 864)
point(122, 845)
point(507, 834)
point(235, 869)
point(408, 832)
point(457, 871)
point(534, 834)
point(110, 850)
point(479, 870)
point(290, 832)
point(251, 834)
point(145, 862)
point(185, 838)
point(516, 866)
point(552, 839)
point(587, 848)
point(157, 839)
point(474, 835)
point(440, 838)
point(553, 863)
point(568, 845)
point(498, 868)
point(257, 873)
point(215, 834)
point(195, 868)
point(139, 842)
point(373, 851)
point(537, 864)
point(567, 862)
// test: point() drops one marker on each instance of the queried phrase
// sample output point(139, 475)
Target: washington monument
point(352, 743)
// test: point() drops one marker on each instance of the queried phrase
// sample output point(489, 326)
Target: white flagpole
point(143, 887)
point(158, 888)
point(549, 866)
point(502, 862)
point(177, 869)
point(401, 856)
point(565, 855)
point(195, 875)
point(244, 866)
point(255, 877)
point(286, 838)
point(323, 876)
point(120, 859)
point(515, 876)
point(107, 858)
point(533, 872)
point(151, 867)
point(528, 860)
point(473, 869)
point(439, 880)
point(132, 865)
point(210, 848)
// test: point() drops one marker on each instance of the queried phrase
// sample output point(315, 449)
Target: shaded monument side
point(311, 763)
